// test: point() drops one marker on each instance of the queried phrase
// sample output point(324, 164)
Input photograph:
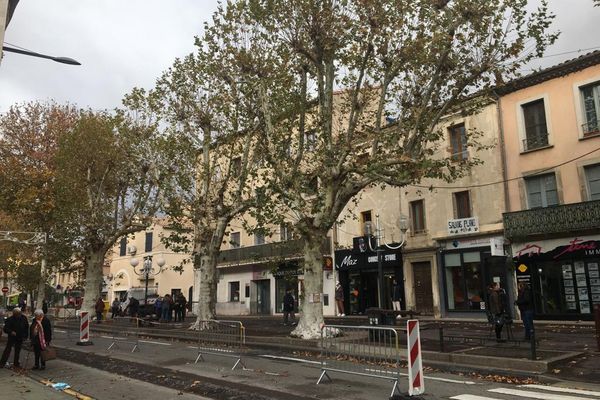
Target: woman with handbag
point(40, 333)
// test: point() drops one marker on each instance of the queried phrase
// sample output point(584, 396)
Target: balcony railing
point(270, 251)
point(537, 137)
point(548, 221)
point(591, 128)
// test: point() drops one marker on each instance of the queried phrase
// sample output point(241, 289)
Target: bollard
point(533, 346)
point(441, 339)
point(84, 329)
point(416, 384)
point(597, 318)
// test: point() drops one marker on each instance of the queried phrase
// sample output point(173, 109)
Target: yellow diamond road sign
point(522, 268)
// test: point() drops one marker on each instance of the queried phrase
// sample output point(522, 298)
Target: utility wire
point(505, 180)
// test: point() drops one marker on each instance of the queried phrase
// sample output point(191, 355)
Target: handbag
point(49, 354)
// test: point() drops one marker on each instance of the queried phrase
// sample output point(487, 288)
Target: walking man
point(115, 307)
point(40, 333)
point(288, 308)
point(525, 304)
point(396, 295)
point(497, 308)
point(99, 309)
point(339, 299)
point(17, 329)
point(181, 303)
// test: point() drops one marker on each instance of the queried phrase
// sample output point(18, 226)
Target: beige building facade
point(552, 136)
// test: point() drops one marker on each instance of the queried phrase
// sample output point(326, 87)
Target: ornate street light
point(147, 270)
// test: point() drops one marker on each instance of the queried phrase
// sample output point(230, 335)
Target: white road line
point(432, 378)
point(290, 359)
point(192, 347)
point(536, 395)
point(151, 342)
point(110, 337)
point(59, 331)
point(472, 397)
point(562, 390)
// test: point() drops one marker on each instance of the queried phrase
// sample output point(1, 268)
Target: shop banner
point(577, 247)
point(347, 259)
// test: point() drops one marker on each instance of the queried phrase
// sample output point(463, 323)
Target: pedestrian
point(525, 304)
point(166, 308)
point(158, 308)
point(396, 295)
point(339, 299)
point(40, 333)
point(182, 303)
point(176, 307)
point(288, 308)
point(497, 309)
point(115, 307)
point(17, 329)
point(134, 307)
point(99, 309)
point(45, 306)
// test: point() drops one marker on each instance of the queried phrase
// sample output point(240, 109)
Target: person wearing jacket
point(339, 299)
point(288, 308)
point(497, 308)
point(115, 308)
point(99, 309)
point(396, 295)
point(40, 333)
point(16, 327)
point(525, 304)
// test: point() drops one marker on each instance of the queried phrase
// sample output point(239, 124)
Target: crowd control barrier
point(221, 338)
point(361, 350)
point(124, 330)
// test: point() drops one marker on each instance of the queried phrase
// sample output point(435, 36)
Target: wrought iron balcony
point(537, 137)
point(591, 128)
point(549, 221)
point(266, 252)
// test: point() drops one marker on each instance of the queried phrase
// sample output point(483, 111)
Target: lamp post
point(147, 270)
point(62, 60)
point(380, 248)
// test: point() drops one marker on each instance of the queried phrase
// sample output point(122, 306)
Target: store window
point(282, 284)
point(541, 190)
point(234, 291)
point(464, 281)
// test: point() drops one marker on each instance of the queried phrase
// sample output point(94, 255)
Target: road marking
point(59, 331)
point(472, 397)
point(535, 395)
point(432, 378)
point(563, 390)
point(151, 342)
point(192, 347)
point(290, 359)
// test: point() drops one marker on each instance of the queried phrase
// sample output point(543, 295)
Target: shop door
point(422, 287)
point(261, 301)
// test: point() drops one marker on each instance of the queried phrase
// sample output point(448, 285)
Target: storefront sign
point(288, 272)
point(558, 249)
point(347, 259)
point(466, 243)
point(463, 226)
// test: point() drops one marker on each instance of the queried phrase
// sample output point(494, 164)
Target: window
point(310, 140)
point(458, 143)
point(366, 220)
point(592, 176)
point(590, 95)
point(234, 291)
point(462, 203)
point(541, 191)
point(148, 244)
point(236, 166)
point(259, 238)
point(123, 247)
point(464, 281)
point(417, 216)
point(285, 232)
point(234, 241)
point(536, 131)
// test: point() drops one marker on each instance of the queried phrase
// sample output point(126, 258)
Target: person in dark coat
point(115, 307)
point(497, 308)
point(134, 307)
point(396, 295)
point(339, 299)
point(525, 304)
point(45, 306)
point(166, 308)
point(17, 329)
point(181, 304)
point(99, 309)
point(288, 308)
point(40, 333)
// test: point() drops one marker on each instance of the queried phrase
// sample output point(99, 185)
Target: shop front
point(564, 275)
point(358, 275)
point(470, 265)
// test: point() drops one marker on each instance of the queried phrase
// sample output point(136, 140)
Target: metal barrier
point(70, 326)
point(361, 350)
point(124, 330)
point(221, 338)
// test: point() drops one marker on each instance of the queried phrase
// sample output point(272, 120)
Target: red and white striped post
point(416, 385)
point(84, 329)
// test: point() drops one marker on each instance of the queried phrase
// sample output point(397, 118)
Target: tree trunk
point(311, 319)
point(206, 283)
point(94, 261)
point(41, 289)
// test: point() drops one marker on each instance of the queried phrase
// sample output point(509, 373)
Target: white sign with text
point(463, 226)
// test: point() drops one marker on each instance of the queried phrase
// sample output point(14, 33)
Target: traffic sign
point(4, 290)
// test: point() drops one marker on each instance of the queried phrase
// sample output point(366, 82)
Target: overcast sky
point(128, 43)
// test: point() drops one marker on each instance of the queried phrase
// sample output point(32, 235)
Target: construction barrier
point(124, 330)
point(221, 338)
point(84, 329)
point(416, 385)
point(361, 350)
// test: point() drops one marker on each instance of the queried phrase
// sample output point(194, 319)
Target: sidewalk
point(15, 386)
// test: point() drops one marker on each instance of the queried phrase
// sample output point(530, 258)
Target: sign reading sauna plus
point(463, 226)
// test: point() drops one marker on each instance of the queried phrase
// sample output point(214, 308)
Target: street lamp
point(380, 247)
point(62, 60)
point(147, 270)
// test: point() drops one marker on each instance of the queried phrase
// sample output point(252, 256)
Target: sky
point(124, 44)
